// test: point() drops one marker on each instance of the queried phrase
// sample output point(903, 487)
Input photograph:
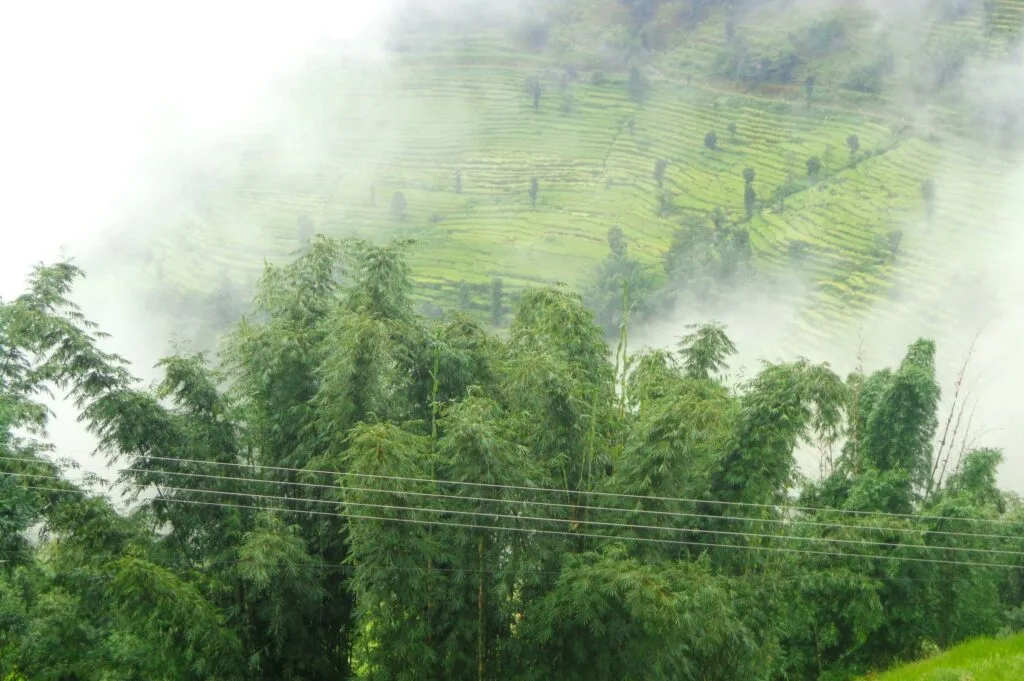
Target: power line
point(638, 497)
point(529, 502)
point(437, 523)
point(585, 507)
point(619, 495)
point(674, 514)
point(594, 523)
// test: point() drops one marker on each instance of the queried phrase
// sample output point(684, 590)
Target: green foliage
point(979, 660)
point(619, 275)
point(497, 302)
point(703, 261)
point(813, 167)
point(354, 491)
point(638, 85)
point(398, 205)
point(756, 65)
point(704, 351)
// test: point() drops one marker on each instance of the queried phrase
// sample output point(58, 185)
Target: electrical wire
point(638, 497)
point(631, 527)
point(619, 495)
point(676, 514)
point(437, 523)
point(585, 507)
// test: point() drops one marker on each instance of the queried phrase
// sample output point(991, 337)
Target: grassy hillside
point(980, 660)
point(457, 101)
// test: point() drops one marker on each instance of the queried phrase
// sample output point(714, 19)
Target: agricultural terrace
point(451, 124)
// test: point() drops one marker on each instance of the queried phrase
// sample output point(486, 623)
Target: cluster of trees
point(708, 256)
point(353, 491)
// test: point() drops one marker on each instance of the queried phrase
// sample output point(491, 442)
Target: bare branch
point(938, 459)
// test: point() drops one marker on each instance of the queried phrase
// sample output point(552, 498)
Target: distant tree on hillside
point(305, 228)
point(631, 124)
point(711, 140)
point(618, 271)
point(928, 194)
point(533, 192)
point(458, 182)
point(620, 283)
point(749, 193)
point(701, 262)
point(398, 205)
point(731, 128)
point(854, 143)
point(813, 167)
point(989, 8)
point(637, 85)
point(666, 203)
point(569, 102)
point(659, 170)
point(828, 155)
point(497, 302)
point(569, 76)
point(809, 88)
point(617, 241)
point(640, 11)
point(535, 91)
point(749, 200)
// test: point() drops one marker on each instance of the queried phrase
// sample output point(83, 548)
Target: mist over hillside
point(171, 172)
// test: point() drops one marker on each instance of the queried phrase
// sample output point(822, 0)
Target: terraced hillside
point(448, 120)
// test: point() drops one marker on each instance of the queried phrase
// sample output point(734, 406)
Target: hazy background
point(108, 104)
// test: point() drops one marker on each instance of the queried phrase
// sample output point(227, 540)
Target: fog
point(109, 104)
point(104, 101)
point(974, 309)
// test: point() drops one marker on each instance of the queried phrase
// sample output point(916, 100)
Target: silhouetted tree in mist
point(659, 170)
point(749, 193)
point(854, 143)
point(497, 302)
point(813, 167)
point(618, 276)
point(637, 85)
point(535, 91)
point(398, 205)
point(533, 192)
point(305, 228)
point(617, 241)
point(928, 194)
point(749, 200)
point(809, 88)
point(711, 140)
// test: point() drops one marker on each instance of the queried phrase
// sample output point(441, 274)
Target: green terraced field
point(448, 103)
point(980, 660)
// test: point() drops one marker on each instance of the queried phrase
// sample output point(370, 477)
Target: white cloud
point(96, 94)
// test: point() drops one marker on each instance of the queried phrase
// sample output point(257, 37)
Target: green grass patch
point(979, 660)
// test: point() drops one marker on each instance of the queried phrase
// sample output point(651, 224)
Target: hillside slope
point(980, 660)
point(448, 120)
